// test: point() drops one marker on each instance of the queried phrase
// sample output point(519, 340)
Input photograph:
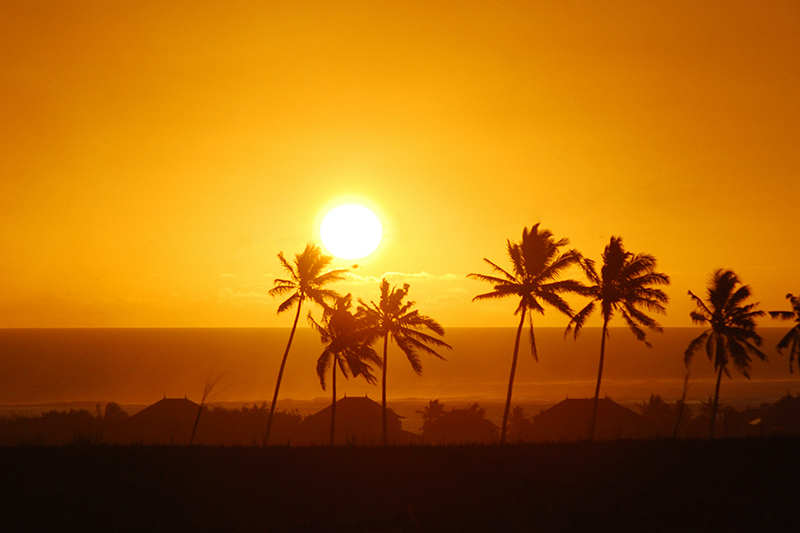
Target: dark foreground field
point(726, 485)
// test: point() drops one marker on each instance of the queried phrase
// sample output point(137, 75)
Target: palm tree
point(732, 334)
point(392, 317)
point(306, 279)
point(536, 266)
point(793, 336)
point(625, 284)
point(345, 348)
point(432, 412)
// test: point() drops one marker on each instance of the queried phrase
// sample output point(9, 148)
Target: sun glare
point(351, 231)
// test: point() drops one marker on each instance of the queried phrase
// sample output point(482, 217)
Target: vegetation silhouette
point(536, 265)
point(431, 413)
point(211, 382)
point(346, 347)
point(392, 317)
point(520, 425)
point(625, 284)
point(461, 426)
point(306, 281)
point(732, 332)
point(792, 339)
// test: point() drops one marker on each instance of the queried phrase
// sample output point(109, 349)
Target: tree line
point(624, 284)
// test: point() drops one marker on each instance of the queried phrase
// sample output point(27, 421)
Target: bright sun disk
point(351, 231)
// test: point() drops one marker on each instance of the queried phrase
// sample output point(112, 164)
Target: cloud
point(401, 276)
point(456, 290)
point(239, 297)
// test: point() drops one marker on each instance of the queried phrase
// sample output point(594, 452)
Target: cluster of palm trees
point(626, 284)
point(348, 336)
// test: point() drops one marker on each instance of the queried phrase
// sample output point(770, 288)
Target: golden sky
point(156, 156)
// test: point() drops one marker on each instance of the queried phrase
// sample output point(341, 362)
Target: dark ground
point(724, 485)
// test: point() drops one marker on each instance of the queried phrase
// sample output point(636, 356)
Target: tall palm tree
point(345, 348)
point(536, 265)
point(393, 318)
point(792, 338)
point(306, 281)
point(625, 284)
point(732, 334)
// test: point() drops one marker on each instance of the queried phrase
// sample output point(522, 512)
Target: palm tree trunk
point(593, 422)
point(511, 377)
point(716, 402)
point(280, 373)
point(333, 404)
point(681, 406)
point(196, 421)
point(383, 391)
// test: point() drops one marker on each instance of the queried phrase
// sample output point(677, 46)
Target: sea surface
point(41, 369)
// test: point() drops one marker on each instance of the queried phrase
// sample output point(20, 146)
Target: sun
point(351, 231)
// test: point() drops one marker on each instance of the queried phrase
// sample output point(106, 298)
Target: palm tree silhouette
point(792, 338)
point(536, 266)
point(392, 317)
point(625, 285)
point(732, 332)
point(432, 412)
point(306, 279)
point(345, 348)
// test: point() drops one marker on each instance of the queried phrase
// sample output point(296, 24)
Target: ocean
point(41, 369)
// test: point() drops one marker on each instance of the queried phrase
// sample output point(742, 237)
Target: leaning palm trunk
point(333, 404)
point(383, 391)
point(593, 422)
point(280, 374)
point(681, 406)
point(511, 378)
point(716, 403)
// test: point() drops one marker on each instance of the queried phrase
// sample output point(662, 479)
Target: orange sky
point(155, 158)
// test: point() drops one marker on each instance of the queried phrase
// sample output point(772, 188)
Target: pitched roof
point(569, 420)
point(359, 420)
point(168, 421)
point(782, 416)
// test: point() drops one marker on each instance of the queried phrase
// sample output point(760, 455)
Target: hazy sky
point(156, 156)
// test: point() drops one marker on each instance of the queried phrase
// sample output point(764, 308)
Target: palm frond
point(509, 277)
point(415, 344)
point(408, 348)
point(556, 301)
point(289, 303)
point(286, 266)
point(422, 337)
point(695, 345)
point(324, 362)
point(634, 327)
point(579, 319)
point(589, 270)
point(499, 282)
point(330, 277)
point(792, 335)
point(282, 287)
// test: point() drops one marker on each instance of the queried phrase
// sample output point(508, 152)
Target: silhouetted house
point(461, 426)
point(569, 421)
point(358, 421)
point(780, 418)
point(168, 421)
